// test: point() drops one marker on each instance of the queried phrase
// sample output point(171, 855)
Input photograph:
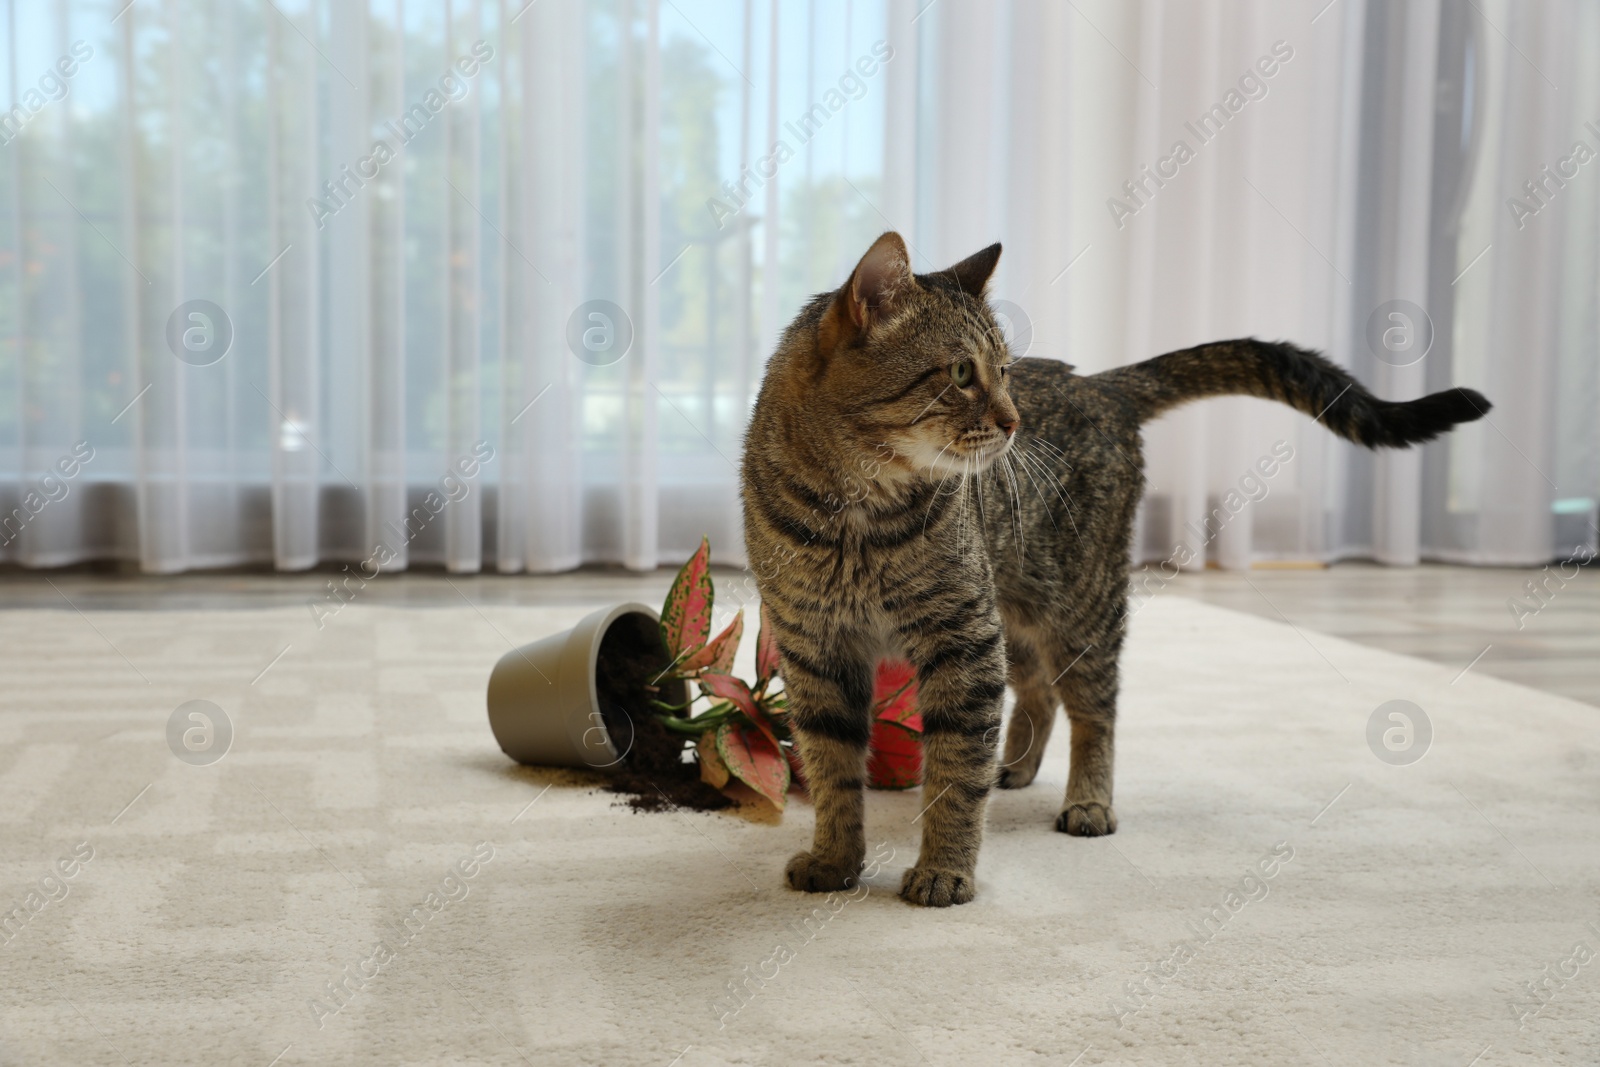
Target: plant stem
point(689, 727)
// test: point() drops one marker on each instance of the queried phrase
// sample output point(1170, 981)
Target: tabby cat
point(910, 490)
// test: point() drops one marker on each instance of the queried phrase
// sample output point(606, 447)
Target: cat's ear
point(882, 278)
point(973, 273)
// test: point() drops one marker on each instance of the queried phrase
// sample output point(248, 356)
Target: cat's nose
point(1008, 425)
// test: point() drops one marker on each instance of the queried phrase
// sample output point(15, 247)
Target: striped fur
point(980, 528)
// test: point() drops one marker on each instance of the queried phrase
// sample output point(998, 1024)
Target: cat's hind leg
point(1089, 690)
point(1033, 716)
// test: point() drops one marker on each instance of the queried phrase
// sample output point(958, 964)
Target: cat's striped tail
point(1277, 370)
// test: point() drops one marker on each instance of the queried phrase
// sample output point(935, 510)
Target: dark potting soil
point(652, 773)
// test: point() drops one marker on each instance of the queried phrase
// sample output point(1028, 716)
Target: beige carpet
point(220, 901)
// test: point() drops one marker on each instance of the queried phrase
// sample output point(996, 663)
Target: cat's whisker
point(961, 499)
point(938, 490)
point(1033, 463)
point(983, 519)
point(973, 490)
point(1023, 463)
point(1051, 449)
point(934, 462)
point(1066, 498)
point(1027, 468)
point(1048, 450)
point(948, 473)
point(1012, 498)
point(1066, 501)
point(1046, 461)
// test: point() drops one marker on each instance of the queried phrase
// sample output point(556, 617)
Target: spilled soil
point(652, 773)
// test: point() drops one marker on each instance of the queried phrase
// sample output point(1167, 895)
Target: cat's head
point(916, 364)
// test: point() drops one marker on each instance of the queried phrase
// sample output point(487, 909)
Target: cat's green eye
point(961, 373)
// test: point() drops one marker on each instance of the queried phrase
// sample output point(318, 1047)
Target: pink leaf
point(895, 758)
point(738, 693)
point(894, 695)
point(753, 757)
point(717, 655)
point(731, 689)
point(768, 660)
point(686, 614)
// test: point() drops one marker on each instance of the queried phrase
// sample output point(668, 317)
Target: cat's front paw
point(809, 874)
point(1087, 820)
point(933, 887)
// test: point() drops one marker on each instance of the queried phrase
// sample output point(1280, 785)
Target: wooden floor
point(1454, 616)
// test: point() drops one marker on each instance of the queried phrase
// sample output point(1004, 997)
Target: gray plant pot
point(544, 701)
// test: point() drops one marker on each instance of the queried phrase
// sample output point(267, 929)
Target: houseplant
point(744, 733)
point(626, 691)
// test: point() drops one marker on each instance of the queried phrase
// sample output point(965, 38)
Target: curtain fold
point(1306, 172)
point(482, 283)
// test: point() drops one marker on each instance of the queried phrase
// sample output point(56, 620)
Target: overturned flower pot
point(584, 698)
point(574, 699)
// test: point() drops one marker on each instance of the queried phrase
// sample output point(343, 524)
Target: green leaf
point(753, 757)
point(686, 613)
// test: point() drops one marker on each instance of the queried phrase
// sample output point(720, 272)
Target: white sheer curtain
point(486, 282)
point(1374, 163)
point(525, 334)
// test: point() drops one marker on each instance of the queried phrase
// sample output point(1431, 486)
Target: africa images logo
point(452, 87)
point(852, 85)
point(1251, 85)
